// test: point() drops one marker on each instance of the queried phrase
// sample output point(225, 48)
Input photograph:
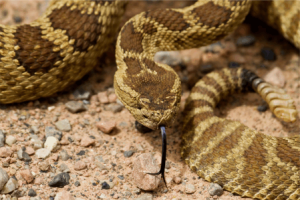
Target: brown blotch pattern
point(205, 91)
point(146, 84)
point(201, 144)
point(84, 28)
point(212, 82)
point(222, 150)
point(254, 158)
point(287, 154)
point(212, 15)
point(35, 54)
point(169, 18)
point(149, 28)
point(131, 40)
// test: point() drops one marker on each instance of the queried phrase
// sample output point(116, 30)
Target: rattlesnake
point(54, 51)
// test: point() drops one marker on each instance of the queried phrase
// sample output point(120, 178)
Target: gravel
point(75, 106)
point(247, 40)
point(63, 125)
point(268, 54)
point(215, 189)
point(2, 138)
point(60, 180)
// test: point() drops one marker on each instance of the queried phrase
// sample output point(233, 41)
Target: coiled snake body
point(54, 51)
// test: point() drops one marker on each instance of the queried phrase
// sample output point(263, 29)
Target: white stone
point(10, 140)
point(42, 153)
point(51, 143)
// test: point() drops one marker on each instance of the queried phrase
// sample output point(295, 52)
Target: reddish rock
point(38, 181)
point(87, 141)
point(27, 175)
point(64, 195)
point(106, 127)
point(102, 97)
point(177, 180)
point(143, 164)
point(5, 152)
point(30, 150)
point(79, 165)
point(112, 98)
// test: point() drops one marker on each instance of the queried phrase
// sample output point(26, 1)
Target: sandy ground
point(103, 159)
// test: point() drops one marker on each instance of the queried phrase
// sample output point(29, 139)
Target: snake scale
point(46, 56)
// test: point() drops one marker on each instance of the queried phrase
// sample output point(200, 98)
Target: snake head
point(158, 110)
point(152, 95)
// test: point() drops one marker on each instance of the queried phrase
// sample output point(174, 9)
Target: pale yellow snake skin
point(46, 56)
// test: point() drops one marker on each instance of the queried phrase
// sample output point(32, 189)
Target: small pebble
point(247, 40)
point(22, 155)
point(141, 128)
point(3, 178)
point(215, 189)
point(44, 166)
point(106, 127)
point(103, 98)
point(86, 141)
point(35, 129)
point(64, 155)
point(2, 139)
point(146, 196)
point(268, 54)
point(37, 143)
point(177, 180)
point(10, 140)
point(51, 131)
point(30, 151)
point(42, 153)
point(63, 125)
point(112, 98)
point(262, 108)
point(64, 168)
point(18, 19)
point(190, 189)
point(51, 143)
point(114, 107)
point(81, 153)
point(10, 186)
point(75, 106)
point(64, 195)
point(105, 186)
point(77, 183)
point(5, 152)
point(27, 175)
point(60, 180)
point(121, 177)
point(79, 165)
point(31, 193)
point(128, 154)
point(81, 94)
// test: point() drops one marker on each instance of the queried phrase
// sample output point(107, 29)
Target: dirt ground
point(101, 155)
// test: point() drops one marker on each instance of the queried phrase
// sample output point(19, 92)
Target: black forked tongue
point(164, 155)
